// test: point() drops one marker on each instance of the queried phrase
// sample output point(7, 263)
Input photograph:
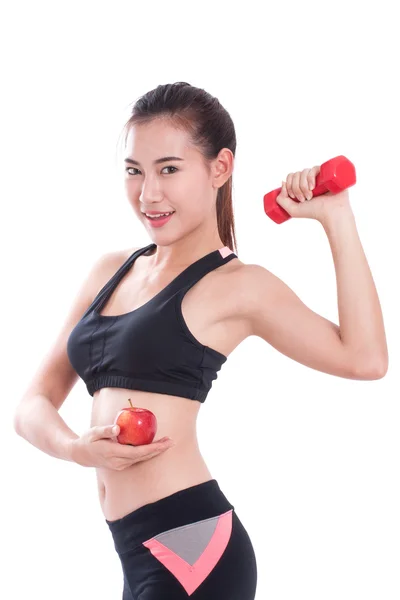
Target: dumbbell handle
point(335, 175)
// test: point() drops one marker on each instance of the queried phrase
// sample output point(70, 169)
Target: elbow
point(381, 370)
point(16, 424)
point(372, 369)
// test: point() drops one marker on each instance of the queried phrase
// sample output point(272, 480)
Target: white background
point(310, 461)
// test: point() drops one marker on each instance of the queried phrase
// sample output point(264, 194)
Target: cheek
point(130, 185)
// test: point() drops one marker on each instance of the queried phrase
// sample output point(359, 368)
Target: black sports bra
point(150, 348)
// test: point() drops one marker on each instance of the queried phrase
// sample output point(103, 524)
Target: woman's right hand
point(98, 447)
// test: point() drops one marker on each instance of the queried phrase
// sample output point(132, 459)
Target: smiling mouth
point(162, 216)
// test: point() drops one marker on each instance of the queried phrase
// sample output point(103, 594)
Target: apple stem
point(129, 400)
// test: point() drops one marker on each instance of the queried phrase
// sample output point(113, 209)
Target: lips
point(160, 221)
point(156, 212)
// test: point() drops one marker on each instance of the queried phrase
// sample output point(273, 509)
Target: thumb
point(286, 202)
point(109, 431)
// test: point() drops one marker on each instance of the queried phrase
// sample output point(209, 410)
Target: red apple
point(137, 426)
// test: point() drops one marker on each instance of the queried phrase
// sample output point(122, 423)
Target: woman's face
point(183, 186)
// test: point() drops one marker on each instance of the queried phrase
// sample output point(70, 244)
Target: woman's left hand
point(300, 185)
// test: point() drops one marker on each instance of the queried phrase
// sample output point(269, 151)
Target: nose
point(151, 192)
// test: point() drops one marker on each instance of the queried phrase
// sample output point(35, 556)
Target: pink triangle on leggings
point(191, 576)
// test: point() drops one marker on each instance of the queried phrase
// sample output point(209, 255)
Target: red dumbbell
point(335, 175)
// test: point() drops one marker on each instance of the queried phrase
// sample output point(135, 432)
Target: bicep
point(280, 318)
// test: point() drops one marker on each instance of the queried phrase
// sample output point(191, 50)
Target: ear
point(222, 167)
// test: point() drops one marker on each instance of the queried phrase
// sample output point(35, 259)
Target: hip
point(189, 541)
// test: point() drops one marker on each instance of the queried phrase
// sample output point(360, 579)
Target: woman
point(155, 324)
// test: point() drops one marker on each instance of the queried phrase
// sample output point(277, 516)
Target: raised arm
point(357, 348)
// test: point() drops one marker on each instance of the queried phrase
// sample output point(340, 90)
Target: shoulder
point(108, 263)
point(252, 284)
point(116, 258)
point(257, 278)
point(245, 282)
point(250, 276)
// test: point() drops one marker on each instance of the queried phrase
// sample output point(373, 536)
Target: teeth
point(159, 215)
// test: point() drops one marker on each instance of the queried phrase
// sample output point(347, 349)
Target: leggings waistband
point(195, 503)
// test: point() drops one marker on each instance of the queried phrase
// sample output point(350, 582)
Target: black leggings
point(190, 543)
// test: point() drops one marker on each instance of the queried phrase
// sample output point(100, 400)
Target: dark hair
point(210, 128)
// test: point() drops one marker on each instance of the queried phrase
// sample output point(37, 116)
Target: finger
point(148, 456)
point(311, 183)
point(286, 202)
point(304, 185)
point(126, 450)
point(289, 181)
point(158, 446)
point(99, 432)
point(156, 452)
point(313, 174)
point(284, 190)
point(296, 187)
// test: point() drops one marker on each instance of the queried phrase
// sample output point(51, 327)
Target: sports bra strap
point(194, 272)
point(106, 291)
point(188, 277)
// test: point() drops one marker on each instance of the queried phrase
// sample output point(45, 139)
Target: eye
point(130, 168)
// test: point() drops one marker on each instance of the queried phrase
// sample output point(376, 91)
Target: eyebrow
point(155, 162)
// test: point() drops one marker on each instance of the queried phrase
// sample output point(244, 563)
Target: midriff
point(179, 467)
